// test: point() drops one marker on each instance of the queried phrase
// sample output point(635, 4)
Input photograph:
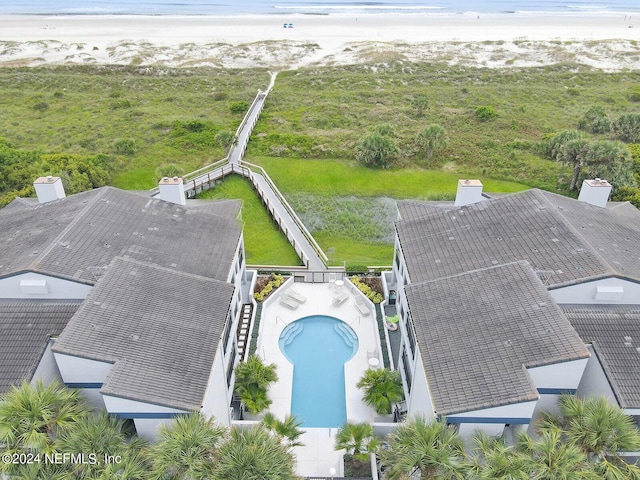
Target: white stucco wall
point(470, 430)
point(559, 376)
point(140, 412)
point(76, 370)
point(147, 428)
point(546, 403)
point(419, 400)
point(56, 288)
point(492, 420)
point(47, 369)
point(594, 381)
point(79, 372)
point(585, 293)
point(217, 397)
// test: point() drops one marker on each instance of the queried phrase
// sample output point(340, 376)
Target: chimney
point(172, 190)
point(595, 192)
point(469, 191)
point(49, 189)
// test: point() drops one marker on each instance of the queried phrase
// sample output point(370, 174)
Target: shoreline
point(605, 42)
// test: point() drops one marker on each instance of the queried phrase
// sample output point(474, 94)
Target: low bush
point(273, 283)
point(485, 113)
point(41, 106)
point(125, 146)
point(367, 290)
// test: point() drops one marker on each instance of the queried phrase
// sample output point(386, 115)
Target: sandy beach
point(608, 42)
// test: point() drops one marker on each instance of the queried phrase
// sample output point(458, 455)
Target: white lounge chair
point(362, 307)
point(291, 293)
point(339, 298)
point(288, 302)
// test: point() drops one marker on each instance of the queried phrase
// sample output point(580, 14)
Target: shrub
point(41, 106)
point(274, 282)
point(238, 106)
point(124, 146)
point(627, 194)
point(225, 139)
point(595, 120)
point(120, 104)
point(627, 127)
point(168, 170)
point(634, 95)
point(484, 113)
point(366, 289)
point(376, 150)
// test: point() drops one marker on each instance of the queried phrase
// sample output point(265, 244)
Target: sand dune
point(609, 43)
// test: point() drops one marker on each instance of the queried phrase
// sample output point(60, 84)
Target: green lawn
point(263, 242)
point(339, 202)
point(347, 177)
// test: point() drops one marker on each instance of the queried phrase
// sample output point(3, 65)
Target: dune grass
point(307, 133)
point(168, 115)
point(263, 242)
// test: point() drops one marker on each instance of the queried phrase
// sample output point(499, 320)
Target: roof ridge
point(166, 269)
point(558, 214)
point(72, 223)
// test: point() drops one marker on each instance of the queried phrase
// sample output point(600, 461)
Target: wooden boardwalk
point(310, 253)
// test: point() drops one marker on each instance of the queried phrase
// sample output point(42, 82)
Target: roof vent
point(595, 192)
point(172, 190)
point(49, 189)
point(469, 192)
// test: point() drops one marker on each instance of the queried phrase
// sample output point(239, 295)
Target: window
point(231, 365)
point(226, 333)
point(407, 369)
point(412, 338)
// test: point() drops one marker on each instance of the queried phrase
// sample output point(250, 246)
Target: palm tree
point(188, 448)
point(287, 430)
point(551, 458)
point(358, 440)
point(32, 417)
point(254, 454)
point(573, 153)
point(601, 430)
point(430, 449)
point(376, 150)
point(102, 434)
point(610, 160)
point(253, 378)
point(494, 460)
point(382, 388)
point(430, 138)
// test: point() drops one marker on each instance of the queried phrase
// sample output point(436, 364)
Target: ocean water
point(319, 7)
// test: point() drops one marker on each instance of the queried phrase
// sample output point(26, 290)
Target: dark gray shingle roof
point(613, 232)
point(25, 329)
point(160, 328)
point(614, 331)
point(478, 331)
point(77, 237)
point(523, 226)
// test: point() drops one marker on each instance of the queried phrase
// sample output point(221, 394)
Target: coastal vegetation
point(430, 124)
point(582, 438)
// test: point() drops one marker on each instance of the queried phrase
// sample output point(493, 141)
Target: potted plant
point(359, 442)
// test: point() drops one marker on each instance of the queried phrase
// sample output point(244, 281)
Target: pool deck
point(318, 454)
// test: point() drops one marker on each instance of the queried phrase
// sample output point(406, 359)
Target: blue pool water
point(318, 348)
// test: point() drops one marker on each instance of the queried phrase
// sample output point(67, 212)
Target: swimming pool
point(318, 347)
